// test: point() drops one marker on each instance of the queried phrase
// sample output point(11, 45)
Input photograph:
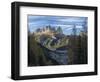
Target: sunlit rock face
point(46, 31)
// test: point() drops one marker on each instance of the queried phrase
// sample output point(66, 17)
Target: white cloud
point(72, 20)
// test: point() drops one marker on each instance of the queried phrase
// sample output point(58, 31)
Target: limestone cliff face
point(46, 31)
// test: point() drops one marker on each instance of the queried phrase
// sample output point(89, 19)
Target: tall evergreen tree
point(59, 30)
point(74, 30)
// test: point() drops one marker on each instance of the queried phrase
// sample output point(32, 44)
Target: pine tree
point(59, 30)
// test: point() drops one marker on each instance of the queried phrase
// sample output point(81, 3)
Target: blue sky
point(65, 22)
